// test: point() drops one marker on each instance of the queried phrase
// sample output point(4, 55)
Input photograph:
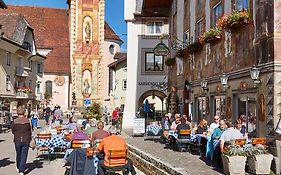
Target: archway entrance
point(156, 100)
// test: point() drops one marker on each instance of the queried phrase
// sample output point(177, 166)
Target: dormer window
point(27, 46)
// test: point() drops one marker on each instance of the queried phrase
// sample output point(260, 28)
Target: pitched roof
point(51, 31)
point(14, 27)
point(110, 34)
point(119, 57)
point(2, 4)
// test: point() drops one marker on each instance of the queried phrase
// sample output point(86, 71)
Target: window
point(124, 85)
point(30, 65)
point(38, 87)
point(8, 83)
point(241, 5)
point(199, 28)
point(153, 62)
point(8, 58)
point(39, 68)
point(154, 28)
point(30, 83)
point(48, 89)
point(186, 38)
point(112, 49)
point(217, 13)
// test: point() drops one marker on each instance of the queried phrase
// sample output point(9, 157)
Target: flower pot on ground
point(170, 61)
point(211, 36)
point(235, 20)
point(234, 160)
point(259, 160)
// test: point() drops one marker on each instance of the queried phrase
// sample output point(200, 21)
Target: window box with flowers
point(170, 61)
point(24, 90)
point(235, 20)
point(194, 47)
point(211, 36)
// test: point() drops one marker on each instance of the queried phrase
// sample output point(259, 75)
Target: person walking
point(21, 129)
point(34, 119)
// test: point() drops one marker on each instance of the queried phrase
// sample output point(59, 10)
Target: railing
point(24, 94)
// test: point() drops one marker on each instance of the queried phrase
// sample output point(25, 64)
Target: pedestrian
point(21, 129)
point(34, 119)
point(47, 114)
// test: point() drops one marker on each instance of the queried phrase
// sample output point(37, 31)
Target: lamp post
point(224, 79)
point(204, 84)
point(255, 72)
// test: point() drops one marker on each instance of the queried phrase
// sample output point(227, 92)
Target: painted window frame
point(245, 5)
point(8, 58)
point(39, 68)
point(154, 28)
point(145, 63)
point(214, 19)
point(8, 83)
point(198, 24)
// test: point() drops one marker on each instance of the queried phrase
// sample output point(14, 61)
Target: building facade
point(231, 70)
point(146, 26)
point(92, 46)
point(19, 64)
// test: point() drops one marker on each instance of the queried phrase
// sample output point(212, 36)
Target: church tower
point(86, 25)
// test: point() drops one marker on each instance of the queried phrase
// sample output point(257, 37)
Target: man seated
point(182, 126)
point(56, 120)
point(92, 127)
point(100, 133)
point(79, 134)
point(229, 134)
point(113, 142)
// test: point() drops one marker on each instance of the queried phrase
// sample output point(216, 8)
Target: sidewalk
point(180, 162)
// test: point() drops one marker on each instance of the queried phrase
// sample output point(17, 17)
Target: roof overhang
point(37, 57)
point(157, 8)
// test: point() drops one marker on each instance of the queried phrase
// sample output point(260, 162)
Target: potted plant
point(234, 160)
point(211, 36)
point(170, 61)
point(180, 53)
point(194, 47)
point(235, 20)
point(258, 158)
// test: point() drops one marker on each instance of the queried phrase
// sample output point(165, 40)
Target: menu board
point(139, 126)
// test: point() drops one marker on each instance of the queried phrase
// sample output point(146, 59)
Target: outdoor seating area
point(213, 143)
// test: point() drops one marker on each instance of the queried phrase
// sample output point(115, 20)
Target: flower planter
point(194, 47)
point(170, 61)
point(212, 39)
point(233, 165)
point(235, 20)
point(260, 164)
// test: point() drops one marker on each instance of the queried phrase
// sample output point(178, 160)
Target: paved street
point(35, 167)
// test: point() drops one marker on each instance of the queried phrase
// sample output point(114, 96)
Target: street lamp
point(187, 85)
point(255, 72)
point(224, 79)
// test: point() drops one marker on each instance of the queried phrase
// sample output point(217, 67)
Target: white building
point(146, 23)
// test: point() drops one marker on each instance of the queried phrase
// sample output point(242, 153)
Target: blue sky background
point(114, 13)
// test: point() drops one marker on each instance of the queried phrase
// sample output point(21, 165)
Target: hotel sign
point(161, 49)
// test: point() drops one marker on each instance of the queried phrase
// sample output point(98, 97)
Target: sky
point(114, 13)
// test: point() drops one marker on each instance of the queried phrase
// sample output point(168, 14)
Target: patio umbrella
point(146, 107)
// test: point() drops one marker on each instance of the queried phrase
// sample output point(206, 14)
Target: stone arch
point(156, 93)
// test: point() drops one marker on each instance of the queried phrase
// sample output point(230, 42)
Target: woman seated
point(71, 125)
point(176, 122)
point(214, 145)
point(201, 135)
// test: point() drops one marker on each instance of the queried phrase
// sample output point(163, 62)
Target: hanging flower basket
point(194, 47)
point(235, 20)
point(180, 53)
point(24, 89)
point(211, 36)
point(170, 61)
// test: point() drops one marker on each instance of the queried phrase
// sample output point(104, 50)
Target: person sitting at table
point(92, 128)
point(176, 122)
point(187, 119)
point(165, 125)
point(201, 128)
point(215, 124)
point(71, 125)
point(113, 142)
point(214, 151)
point(240, 127)
point(56, 121)
point(182, 126)
point(201, 135)
point(79, 134)
point(229, 134)
point(100, 133)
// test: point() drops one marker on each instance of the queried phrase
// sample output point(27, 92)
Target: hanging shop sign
point(161, 49)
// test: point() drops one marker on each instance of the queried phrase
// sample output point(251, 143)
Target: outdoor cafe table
point(154, 129)
point(57, 140)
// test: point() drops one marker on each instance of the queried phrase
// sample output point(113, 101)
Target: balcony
point(24, 95)
point(21, 71)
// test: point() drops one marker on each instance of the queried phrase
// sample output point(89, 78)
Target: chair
point(183, 140)
point(80, 144)
point(240, 142)
point(117, 157)
point(43, 148)
point(261, 141)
